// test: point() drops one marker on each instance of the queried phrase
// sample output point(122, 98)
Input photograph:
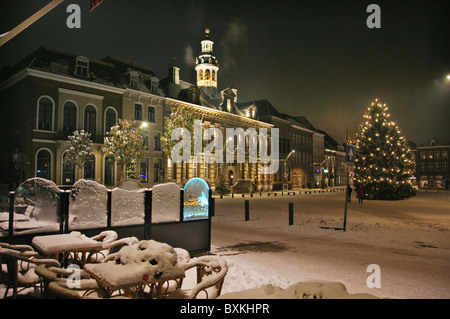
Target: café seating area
point(74, 266)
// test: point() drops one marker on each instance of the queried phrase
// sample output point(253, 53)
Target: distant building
point(432, 166)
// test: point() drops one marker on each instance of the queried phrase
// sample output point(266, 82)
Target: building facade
point(432, 166)
point(50, 94)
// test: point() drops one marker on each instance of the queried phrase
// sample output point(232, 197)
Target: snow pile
point(139, 263)
point(305, 290)
point(165, 203)
point(65, 242)
point(88, 205)
point(127, 207)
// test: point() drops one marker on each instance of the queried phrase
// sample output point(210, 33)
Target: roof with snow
point(112, 71)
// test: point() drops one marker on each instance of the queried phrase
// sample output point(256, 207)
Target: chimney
point(174, 74)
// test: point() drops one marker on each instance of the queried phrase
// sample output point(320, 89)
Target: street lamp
point(285, 160)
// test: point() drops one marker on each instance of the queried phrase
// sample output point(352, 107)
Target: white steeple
point(207, 67)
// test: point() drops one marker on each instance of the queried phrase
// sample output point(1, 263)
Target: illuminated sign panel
point(196, 203)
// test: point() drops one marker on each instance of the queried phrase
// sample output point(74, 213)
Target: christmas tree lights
point(384, 163)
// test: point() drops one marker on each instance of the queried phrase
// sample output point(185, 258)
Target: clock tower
point(207, 68)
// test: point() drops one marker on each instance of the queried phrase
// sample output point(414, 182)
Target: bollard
point(291, 214)
point(247, 210)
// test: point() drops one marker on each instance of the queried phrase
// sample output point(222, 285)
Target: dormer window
point(134, 80)
point(154, 88)
point(82, 67)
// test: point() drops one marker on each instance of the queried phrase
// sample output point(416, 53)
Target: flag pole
point(11, 34)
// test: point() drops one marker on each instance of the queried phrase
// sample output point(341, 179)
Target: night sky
point(313, 58)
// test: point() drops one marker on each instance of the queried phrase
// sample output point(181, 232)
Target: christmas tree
point(384, 162)
point(182, 117)
point(125, 144)
point(222, 187)
point(80, 149)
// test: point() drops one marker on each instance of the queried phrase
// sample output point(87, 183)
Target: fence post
point(247, 210)
point(181, 204)
point(11, 214)
point(109, 209)
point(211, 203)
point(147, 213)
point(64, 212)
point(291, 214)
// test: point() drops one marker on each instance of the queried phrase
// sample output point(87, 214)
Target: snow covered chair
point(211, 272)
point(25, 249)
point(110, 244)
point(21, 268)
point(83, 287)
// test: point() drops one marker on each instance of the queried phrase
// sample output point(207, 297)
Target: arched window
point(43, 164)
point(68, 172)
point(89, 169)
point(45, 114)
point(200, 75)
point(214, 76)
point(207, 76)
point(109, 174)
point(90, 120)
point(69, 118)
point(110, 119)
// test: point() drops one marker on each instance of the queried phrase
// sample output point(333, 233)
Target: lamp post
point(285, 160)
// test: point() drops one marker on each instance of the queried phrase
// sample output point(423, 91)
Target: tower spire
point(207, 67)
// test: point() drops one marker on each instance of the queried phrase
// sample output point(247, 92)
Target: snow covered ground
point(409, 240)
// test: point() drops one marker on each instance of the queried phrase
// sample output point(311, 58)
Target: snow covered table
point(73, 243)
point(147, 269)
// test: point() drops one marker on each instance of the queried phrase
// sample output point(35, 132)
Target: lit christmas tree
point(125, 144)
point(384, 162)
point(182, 117)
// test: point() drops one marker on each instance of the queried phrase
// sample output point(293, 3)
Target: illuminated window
point(143, 171)
point(169, 169)
point(43, 162)
point(109, 171)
